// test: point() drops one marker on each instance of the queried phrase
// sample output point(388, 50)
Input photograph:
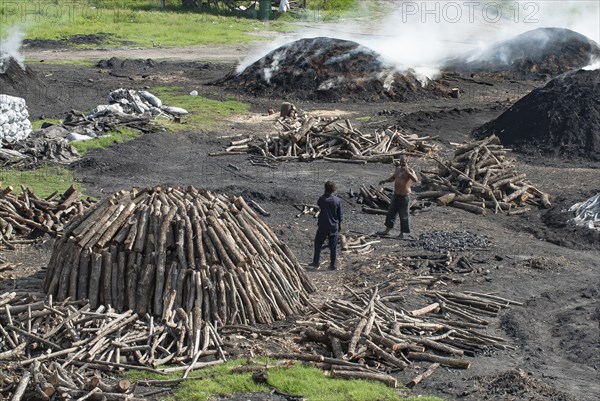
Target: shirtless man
point(404, 177)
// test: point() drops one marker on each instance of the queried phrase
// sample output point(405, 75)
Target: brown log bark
point(351, 374)
point(418, 379)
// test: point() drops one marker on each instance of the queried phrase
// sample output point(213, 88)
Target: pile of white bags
point(14, 119)
point(129, 101)
point(587, 213)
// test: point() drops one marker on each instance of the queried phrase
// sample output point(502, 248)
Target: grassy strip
point(43, 181)
point(128, 23)
point(144, 23)
point(37, 124)
point(204, 113)
point(115, 136)
point(300, 380)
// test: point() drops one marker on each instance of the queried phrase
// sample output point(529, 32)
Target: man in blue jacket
point(329, 224)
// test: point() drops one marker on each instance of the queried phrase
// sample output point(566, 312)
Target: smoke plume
point(9, 48)
point(421, 35)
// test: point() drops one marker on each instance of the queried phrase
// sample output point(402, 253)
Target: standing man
point(404, 177)
point(329, 225)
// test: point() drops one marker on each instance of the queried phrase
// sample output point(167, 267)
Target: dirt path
point(194, 53)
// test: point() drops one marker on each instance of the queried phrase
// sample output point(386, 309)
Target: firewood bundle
point(481, 178)
point(22, 214)
point(54, 350)
point(373, 329)
point(308, 138)
point(159, 251)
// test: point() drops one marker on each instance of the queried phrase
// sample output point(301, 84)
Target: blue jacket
point(330, 216)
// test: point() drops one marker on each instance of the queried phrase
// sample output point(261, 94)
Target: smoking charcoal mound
point(539, 53)
point(329, 69)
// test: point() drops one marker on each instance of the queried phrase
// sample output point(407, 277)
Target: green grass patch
point(139, 23)
point(309, 382)
point(115, 136)
point(85, 63)
point(42, 181)
point(203, 112)
point(37, 124)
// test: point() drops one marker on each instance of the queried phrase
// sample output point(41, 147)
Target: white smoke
point(9, 48)
point(595, 65)
point(421, 35)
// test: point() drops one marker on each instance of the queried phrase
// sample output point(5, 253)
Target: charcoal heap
point(158, 251)
point(328, 69)
point(22, 81)
point(540, 53)
point(481, 178)
point(560, 119)
point(442, 241)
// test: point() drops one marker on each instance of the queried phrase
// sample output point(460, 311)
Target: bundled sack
point(14, 119)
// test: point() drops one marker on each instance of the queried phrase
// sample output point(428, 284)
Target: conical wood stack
point(156, 250)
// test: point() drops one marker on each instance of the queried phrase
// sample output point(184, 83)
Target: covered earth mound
point(540, 53)
point(560, 119)
point(328, 69)
point(16, 80)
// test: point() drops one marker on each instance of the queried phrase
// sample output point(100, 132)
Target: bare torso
point(402, 182)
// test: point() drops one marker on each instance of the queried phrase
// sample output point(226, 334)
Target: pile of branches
point(43, 346)
point(371, 333)
point(481, 178)
point(155, 251)
point(22, 215)
point(306, 138)
point(358, 244)
point(374, 200)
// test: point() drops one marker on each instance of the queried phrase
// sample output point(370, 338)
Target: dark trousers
point(398, 206)
point(322, 234)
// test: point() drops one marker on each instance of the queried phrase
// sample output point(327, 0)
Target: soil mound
point(25, 83)
point(14, 79)
point(540, 53)
point(115, 62)
point(328, 69)
point(560, 119)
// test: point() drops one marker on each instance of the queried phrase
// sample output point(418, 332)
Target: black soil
point(561, 119)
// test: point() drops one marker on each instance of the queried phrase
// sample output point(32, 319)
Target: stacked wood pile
point(372, 329)
point(374, 200)
point(308, 138)
point(481, 178)
point(55, 350)
point(159, 251)
point(21, 215)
